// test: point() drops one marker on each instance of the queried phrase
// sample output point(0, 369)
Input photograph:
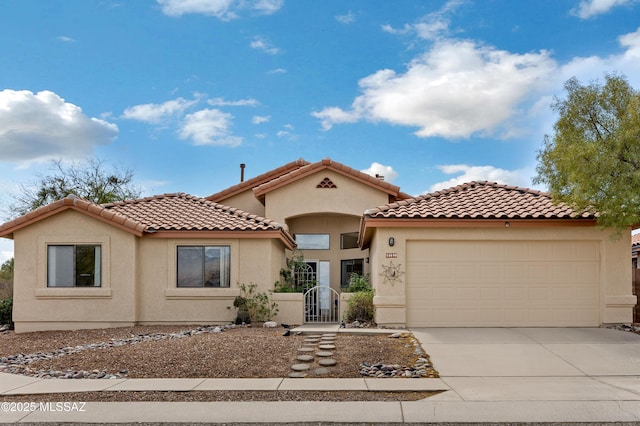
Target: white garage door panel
point(502, 283)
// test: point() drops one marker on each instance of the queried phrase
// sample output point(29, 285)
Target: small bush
point(6, 311)
point(358, 283)
point(253, 306)
point(360, 307)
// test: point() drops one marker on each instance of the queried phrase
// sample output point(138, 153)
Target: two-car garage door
point(502, 283)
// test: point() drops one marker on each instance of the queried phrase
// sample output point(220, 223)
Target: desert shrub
point(360, 307)
point(358, 283)
point(6, 310)
point(253, 306)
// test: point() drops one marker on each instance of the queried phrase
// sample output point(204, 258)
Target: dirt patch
point(241, 352)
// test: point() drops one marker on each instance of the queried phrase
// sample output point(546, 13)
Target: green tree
point(93, 181)
point(6, 279)
point(592, 160)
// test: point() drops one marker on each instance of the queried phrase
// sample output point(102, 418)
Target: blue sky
point(429, 94)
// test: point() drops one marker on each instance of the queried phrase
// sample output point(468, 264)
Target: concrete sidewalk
point(492, 375)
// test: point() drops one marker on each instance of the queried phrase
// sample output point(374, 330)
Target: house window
point(74, 265)
point(203, 266)
point(349, 240)
point(351, 266)
point(312, 241)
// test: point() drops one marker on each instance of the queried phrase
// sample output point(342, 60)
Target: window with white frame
point(203, 266)
point(74, 265)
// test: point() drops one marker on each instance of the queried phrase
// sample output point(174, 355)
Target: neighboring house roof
point(161, 215)
point(327, 163)
point(472, 201)
point(635, 240)
point(257, 181)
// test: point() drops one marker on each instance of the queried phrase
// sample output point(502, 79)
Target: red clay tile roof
point(168, 212)
point(635, 240)
point(73, 203)
point(184, 212)
point(327, 163)
point(257, 181)
point(479, 200)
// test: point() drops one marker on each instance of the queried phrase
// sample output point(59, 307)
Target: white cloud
point(454, 90)
point(433, 26)
point(262, 44)
point(590, 8)
point(224, 10)
point(156, 113)
point(242, 102)
point(66, 39)
point(348, 18)
point(381, 170)
point(259, 119)
point(43, 126)
point(334, 115)
point(587, 69)
point(468, 173)
point(278, 71)
point(209, 127)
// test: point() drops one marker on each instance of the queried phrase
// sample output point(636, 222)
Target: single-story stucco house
point(478, 254)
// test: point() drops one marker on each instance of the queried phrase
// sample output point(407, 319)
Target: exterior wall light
point(507, 224)
point(392, 241)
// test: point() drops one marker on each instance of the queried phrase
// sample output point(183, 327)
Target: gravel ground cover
point(240, 352)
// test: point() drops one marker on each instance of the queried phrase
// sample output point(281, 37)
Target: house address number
point(392, 255)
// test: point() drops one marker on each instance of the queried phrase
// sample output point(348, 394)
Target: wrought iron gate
point(321, 304)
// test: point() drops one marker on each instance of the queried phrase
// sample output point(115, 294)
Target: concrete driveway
point(535, 364)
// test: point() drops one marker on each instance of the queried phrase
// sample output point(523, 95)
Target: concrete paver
point(537, 389)
point(244, 384)
point(600, 359)
point(227, 412)
point(407, 385)
point(328, 384)
point(521, 411)
point(181, 385)
point(10, 382)
point(499, 359)
point(64, 386)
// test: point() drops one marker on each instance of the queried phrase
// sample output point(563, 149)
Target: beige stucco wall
point(301, 197)
point(253, 261)
point(245, 201)
point(37, 307)
point(616, 299)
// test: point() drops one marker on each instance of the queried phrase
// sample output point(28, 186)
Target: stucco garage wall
point(37, 307)
point(253, 261)
point(553, 276)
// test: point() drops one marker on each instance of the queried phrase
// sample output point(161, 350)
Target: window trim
point(44, 292)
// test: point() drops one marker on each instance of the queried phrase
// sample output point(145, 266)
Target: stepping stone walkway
point(322, 341)
point(305, 358)
point(326, 347)
point(300, 367)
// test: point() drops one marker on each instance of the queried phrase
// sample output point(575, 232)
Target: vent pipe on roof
point(242, 166)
